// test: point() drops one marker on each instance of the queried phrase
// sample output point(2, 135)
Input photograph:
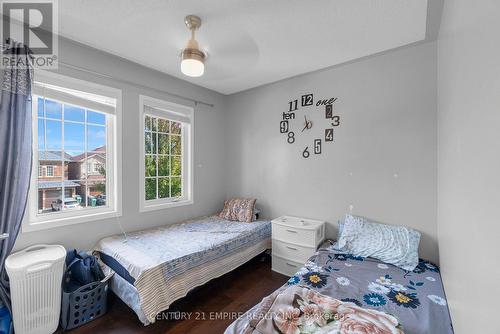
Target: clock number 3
point(291, 137)
point(335, 120)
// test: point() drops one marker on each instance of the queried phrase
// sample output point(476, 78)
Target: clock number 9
point(306, 153)
point(291, 137)
point(284, 126)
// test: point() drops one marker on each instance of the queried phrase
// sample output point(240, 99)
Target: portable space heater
point(35, 275)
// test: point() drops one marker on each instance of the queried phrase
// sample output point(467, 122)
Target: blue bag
point(81, 269)
point(5, 319)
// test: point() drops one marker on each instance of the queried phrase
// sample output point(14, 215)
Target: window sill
point(164, 205)
point(31, 226)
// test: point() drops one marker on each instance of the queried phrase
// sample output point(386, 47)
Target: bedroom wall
point(383, 160)
point(469, 162)
point(209, 174)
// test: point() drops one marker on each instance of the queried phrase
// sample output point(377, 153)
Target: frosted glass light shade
point(192, 67)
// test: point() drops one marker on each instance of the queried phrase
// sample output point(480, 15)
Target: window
point(74, 122)
point(97, 168)
point(166, 169)
point(49, 171)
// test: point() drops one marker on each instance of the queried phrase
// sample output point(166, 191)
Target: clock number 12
point(307, 100)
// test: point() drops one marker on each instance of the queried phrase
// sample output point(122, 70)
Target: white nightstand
point(294, 241)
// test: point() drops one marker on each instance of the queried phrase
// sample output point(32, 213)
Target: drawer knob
point(291, 231)
point(291, 265)
point(292, 248)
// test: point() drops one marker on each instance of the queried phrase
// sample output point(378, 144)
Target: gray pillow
point(397, 245)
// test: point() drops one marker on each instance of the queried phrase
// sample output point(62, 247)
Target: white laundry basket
point(35, 275)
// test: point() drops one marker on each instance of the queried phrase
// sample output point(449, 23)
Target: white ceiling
point(249, 43)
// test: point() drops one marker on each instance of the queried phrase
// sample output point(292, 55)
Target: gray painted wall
point(469, 162)
point(388, 109)
point(209, 174)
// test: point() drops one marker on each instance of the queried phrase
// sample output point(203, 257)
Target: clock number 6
point(291, 137)
point(306, 153)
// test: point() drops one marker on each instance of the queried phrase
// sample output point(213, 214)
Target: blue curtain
point(16, 148)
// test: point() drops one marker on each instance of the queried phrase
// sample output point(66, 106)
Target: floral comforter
point(415, 298)
point(299, 309)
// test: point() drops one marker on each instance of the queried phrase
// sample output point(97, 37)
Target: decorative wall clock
point(300, 112)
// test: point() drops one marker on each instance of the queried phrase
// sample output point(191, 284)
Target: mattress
point(150, 259)
point(415, 298)
point(116, 267)
point(183, 284)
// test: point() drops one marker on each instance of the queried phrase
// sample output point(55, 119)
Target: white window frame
point(187, 140)
point(33, 221)
point(51, 168)
point(40, 171)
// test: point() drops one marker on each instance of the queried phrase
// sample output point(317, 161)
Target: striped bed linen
point(167, 262)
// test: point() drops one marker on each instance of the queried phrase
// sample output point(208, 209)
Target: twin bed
point(155, 267)
point(368, 286)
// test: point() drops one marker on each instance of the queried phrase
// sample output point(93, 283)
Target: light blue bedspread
point(157, 258)
point(180, 247)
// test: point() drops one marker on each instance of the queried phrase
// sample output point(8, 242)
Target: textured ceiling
point(249, 43)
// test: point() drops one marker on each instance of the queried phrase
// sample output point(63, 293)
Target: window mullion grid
point(44, 133)
point(86, 168)
point(107, 163)
point(169, 159)
point(156, 155)
point(62, 157)
point(181, 140)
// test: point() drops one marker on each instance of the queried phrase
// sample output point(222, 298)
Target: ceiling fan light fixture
point(192, 63)
point(193, 59)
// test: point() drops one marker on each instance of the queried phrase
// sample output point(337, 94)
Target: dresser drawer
point(285, 267)
point(292, 251)
point(294, 235)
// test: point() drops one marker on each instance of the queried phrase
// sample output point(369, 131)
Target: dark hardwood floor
point(236, 291)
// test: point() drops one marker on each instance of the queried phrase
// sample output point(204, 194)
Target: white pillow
point(397, 245)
